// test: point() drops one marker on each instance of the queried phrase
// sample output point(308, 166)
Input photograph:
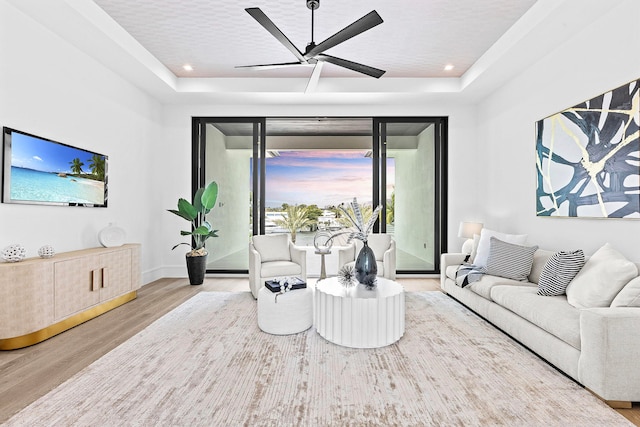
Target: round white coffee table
point(357, 317)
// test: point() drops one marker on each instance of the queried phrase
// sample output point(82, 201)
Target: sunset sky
point(321, 177)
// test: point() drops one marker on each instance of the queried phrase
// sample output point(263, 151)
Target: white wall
point(49, 88)
point(601, 57)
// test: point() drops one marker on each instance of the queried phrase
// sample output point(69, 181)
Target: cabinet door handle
point(95, 280)
point(105, 277)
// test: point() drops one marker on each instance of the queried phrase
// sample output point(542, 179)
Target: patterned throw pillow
point(559, 271)
point(509, 260)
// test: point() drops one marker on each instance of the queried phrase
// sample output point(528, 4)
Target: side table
point(288, 313)
point(323, 269)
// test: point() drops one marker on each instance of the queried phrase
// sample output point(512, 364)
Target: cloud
point(322, 178)
point(37, 158)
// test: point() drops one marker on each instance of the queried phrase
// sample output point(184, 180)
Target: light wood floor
point(29, 373)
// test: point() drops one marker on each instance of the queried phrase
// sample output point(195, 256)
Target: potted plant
point(203, 201)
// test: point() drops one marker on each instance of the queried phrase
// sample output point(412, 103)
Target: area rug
point(206, 363)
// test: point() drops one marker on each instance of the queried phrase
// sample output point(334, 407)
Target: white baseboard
point(162, 272)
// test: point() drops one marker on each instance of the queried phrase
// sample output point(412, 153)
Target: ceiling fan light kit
point(314, 53)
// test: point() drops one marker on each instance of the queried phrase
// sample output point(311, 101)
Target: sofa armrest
point(610, 348)
point(299, 256)
point(389, 259)
point(446, 260)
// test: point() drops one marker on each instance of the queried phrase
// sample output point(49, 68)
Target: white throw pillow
point(629, 296)
point(601, 278)
point(379, 244)
point(482, 254)
point(273, 247)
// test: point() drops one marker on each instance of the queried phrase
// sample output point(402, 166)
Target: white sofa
point(597, 347)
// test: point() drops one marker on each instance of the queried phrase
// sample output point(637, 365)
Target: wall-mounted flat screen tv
point(37, 170)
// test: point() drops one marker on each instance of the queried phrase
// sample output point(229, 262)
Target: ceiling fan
point(314, 53)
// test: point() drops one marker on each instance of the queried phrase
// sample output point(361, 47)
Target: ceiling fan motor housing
point(313, 4)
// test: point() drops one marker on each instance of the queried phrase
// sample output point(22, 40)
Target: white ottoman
point(292, 313)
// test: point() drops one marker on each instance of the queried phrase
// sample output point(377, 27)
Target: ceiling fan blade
point(264, 20)
point(315, 76)
point(361, 68)
point(271, 66)
point(363, 24)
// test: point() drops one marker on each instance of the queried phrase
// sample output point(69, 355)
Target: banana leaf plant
point(203, 201)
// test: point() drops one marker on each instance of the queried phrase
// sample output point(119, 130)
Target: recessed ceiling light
point(187, 67)
point(448, 67)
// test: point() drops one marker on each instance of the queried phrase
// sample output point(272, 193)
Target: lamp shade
point(468, 229)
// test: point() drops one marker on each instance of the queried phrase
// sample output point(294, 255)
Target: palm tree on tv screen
point(97, 166)
point(76, 166)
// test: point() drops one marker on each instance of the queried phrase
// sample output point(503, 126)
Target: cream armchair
point(273, 256)
point(382, 245)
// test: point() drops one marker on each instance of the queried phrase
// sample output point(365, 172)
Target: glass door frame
point(379, 191)
point(198, 167)
point(379, 161)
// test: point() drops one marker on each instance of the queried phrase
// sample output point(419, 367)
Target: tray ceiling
point(417, 39)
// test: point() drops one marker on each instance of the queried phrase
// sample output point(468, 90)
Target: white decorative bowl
point(112, 236)
point(14, 253)
point(46, 251)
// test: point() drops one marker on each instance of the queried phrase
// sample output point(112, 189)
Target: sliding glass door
point(267, 168)
point(228, 151)
point(409, 183)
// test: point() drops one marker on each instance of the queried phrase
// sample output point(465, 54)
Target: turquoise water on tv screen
point(36, 186)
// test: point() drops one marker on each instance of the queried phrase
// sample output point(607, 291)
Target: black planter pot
point(196, 268)
point(366, 267)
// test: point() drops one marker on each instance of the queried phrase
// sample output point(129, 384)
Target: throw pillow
point(509, 260)
point(629, 296)
point(540, 258)
point(482, 253)
point(272, 247)
point(559, 271)
point(601, 278)
point(379, 244)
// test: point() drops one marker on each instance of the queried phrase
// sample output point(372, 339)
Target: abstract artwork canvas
point(588, 158)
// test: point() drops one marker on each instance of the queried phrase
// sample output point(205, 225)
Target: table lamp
point(466, 231)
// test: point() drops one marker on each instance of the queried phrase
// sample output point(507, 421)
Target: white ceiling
point(148, 41)
point(417, 38)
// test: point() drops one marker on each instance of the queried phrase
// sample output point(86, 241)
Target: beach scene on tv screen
point(45, 171)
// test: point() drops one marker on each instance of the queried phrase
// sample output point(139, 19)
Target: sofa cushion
point(559, 270)
point(272, 247)
point(509, 260)
point(553, 314)
point(482, 254)
point(629, 296)
point(540, 259)
point(483, 286)
point(601, 279)
point(280, 268)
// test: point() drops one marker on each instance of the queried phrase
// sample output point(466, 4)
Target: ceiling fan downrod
point(313, 5)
